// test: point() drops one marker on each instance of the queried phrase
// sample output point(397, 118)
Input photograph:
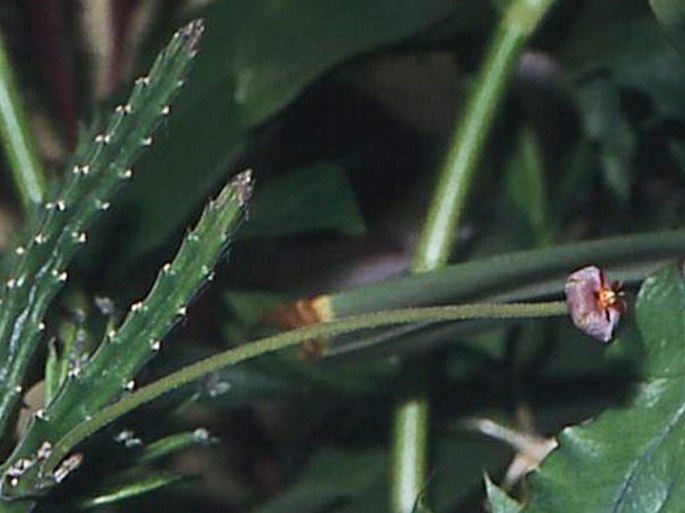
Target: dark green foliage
point(324, 188)
point(257, 61)
point(671, 16)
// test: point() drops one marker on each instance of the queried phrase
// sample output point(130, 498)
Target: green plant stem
point(410, 436)
point(466, 147)
point(292, 338)
point(17, 139)
point(412, 410)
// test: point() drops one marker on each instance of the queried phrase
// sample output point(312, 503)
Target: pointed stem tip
point(243, 183)
point(193, 32)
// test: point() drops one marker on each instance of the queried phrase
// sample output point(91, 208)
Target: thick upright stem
point(412, 410)
point(465, 149)
point(410, 440)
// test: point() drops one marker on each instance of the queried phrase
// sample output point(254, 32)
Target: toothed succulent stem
point(111, 370)
point(125, 350)
point(99, 167)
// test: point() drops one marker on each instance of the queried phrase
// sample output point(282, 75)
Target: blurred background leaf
point(307, 199)
point(261, 55)
point(597, 41)
point(671, 16)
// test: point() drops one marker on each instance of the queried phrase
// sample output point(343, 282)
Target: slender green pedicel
point(99, 167)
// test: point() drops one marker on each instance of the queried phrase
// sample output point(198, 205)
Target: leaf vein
point(638, 462)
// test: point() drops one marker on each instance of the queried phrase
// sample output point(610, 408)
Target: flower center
point(607, 297)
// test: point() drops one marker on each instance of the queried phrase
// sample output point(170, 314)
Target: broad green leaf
point(499, 501)
point(671, 16)
point(631, 459)
point(312, 198)
point(258, 55)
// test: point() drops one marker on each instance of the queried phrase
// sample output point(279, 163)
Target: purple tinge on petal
point(582, 289)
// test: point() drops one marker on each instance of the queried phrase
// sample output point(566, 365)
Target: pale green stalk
point(412, 412)
point(292, 338)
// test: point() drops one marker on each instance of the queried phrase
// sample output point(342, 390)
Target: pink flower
point(594, 303)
